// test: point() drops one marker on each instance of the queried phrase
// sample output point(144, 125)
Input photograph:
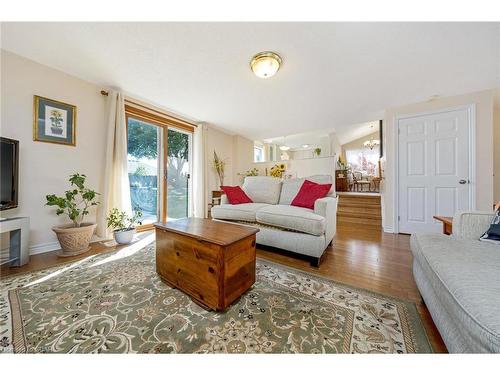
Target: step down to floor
point(363, 209)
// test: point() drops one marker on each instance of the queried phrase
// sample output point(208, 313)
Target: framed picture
point(54, 121)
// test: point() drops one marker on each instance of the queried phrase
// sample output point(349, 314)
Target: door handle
point(462, 182)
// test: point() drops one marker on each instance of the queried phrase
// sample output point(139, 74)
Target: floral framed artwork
point(54, 121)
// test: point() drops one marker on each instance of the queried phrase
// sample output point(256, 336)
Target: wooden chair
point(359, 183)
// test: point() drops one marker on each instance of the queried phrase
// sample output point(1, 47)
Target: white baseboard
point(52, 246)
point(44, 248)
point(388, 229)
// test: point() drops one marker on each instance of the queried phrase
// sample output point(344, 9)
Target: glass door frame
point(190, 173)
point(151, 117)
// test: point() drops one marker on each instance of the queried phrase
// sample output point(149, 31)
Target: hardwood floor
point(359, 208)
point(361, 256)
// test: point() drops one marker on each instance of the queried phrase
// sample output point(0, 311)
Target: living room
point(255, 187)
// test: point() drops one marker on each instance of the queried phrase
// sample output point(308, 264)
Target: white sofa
point(300, 230)
point(459, 280)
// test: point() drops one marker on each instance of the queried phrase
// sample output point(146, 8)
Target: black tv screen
point(9, 162)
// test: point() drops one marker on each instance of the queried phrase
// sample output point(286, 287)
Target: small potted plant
point(76, 203)
point(123, 225)
point(317, 151)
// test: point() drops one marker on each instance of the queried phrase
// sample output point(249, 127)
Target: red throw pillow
point(235, 195)
point(309, 192)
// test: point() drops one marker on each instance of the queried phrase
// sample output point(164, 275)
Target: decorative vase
point(125, 236)
point(74, 240)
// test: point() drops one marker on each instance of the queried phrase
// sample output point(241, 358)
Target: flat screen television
point(9, 171)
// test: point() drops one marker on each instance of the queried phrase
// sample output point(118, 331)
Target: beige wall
point(237, 151)
point(496, 162)
point(484, 147)
point(222, 143)
point(45, 167)
point(242, 157)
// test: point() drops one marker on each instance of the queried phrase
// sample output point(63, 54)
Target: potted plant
point(76, 202)
point(123, 225)
point(317, 151)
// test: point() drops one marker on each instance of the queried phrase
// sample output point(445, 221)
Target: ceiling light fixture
point(371, 143)
point(284, 147)
point(265, 64)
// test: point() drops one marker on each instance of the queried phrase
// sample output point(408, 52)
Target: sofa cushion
point(239, 212)
point(466, 276)
point(291, 187)
point(235, 195)
point(263, 189)
point(294, 218)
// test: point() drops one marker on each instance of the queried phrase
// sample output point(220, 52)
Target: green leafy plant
point(141, 171)
point(120, 221)
point(317, 151)
point(76, 202)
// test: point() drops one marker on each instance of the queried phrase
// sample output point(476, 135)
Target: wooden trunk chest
point(211, 261)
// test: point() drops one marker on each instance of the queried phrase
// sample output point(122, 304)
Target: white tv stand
point(19, 228)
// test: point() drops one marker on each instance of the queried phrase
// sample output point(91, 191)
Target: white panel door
point(434, 175)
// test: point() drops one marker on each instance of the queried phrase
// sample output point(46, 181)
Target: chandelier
point(371, 143)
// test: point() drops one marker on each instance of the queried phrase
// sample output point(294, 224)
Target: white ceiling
point(333, 74)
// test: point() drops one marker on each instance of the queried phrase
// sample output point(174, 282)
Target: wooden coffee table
point(211, 261)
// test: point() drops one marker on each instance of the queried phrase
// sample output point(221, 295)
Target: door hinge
point(399, 218)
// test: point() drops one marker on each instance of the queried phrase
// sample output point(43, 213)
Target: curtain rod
point(106, 93)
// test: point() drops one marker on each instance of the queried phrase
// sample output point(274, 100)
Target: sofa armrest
point(223, 199)
point(471, 225)
point(327, 207)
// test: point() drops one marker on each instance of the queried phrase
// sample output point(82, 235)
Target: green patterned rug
point(115, 303)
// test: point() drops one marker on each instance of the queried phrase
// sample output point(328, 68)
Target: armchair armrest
point(471, 225)
point(327, 207)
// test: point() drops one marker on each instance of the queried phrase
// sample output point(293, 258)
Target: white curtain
point(116, 192)
point(199, 171)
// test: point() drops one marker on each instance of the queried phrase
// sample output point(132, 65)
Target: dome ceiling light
point(284, 147)
point(265, 64)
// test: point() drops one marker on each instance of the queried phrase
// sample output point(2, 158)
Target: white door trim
point(471, 114)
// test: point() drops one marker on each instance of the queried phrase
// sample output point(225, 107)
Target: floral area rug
point(116, 303)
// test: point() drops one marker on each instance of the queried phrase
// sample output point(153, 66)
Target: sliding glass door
point(143, 168)
point(178, 174)
point(159, 170)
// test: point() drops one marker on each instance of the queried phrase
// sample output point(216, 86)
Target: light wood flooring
point(359, 208)
point(362, 256)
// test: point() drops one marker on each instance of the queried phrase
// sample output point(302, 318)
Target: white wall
point(45, 167)
point(304, 167)
point(358, 144)
point(484, 147)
